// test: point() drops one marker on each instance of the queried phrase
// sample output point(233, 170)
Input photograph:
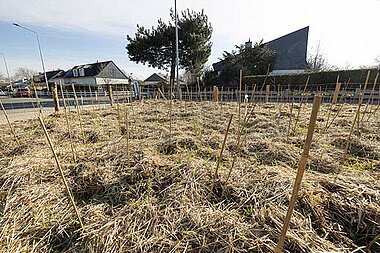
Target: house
point(291, 50)
point(156, 80)
point(95, 74)
point(53, 76)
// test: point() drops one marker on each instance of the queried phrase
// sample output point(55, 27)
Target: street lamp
point(39, 48)
point(6, 68)
point(176, 44)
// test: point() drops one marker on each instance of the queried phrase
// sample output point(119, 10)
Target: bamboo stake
point(92, 101)
point(357, 115)
point(67, 123)
point(300, 172)
point(336, 92)
point(78, 112)
point(61, 173)
point(290, 118)
point(36, 96)
point(267, 90)
point(301, 103)
point(264, 83)
point(126, 123)
point(9, 123)
point(240, 83)
point(334, 100)
point(339, 109)
point(370, 98)
point(220, 155)
point(240, 131)
point(109, 87)
point(118, 108)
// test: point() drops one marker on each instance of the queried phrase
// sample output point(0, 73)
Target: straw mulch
point(157, 198)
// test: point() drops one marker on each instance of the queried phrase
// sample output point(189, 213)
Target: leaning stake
point(301, 170)
point(221, 154)
point(61, 172)
point(9, 123)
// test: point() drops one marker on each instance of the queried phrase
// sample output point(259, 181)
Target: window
point(75, 72)
point(81, 72)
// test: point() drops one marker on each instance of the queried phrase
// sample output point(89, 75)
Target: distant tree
point(252, 60)
point(24, 72)
point(316, 60)
point(377, 62)
point(156, 46)
point(209, 77)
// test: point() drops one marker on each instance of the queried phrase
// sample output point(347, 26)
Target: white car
point(2, 93)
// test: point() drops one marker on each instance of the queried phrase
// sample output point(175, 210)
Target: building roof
point(49, 74)
point(291, 50)
point(156, 77)
point(90, 69)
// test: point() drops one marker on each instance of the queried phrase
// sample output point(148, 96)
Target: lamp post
point(39, 48)
point(6, 68)
point(176, 44)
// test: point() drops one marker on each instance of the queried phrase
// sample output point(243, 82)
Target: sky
point(73, 32)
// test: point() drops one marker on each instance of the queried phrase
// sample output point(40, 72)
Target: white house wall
point(111, 81)
point(81, 80)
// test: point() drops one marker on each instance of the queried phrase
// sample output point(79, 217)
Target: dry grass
point(157, 199)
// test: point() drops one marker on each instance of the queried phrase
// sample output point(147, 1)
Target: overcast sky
point(74, 32)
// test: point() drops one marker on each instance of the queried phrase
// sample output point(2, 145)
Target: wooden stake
point(337, 90)
point(37, 99)
point(219, 159)
point(301, 103)
point(215, 94)
point(240, 83)
point(126, 122)
point(78, 112)
point(267, 90)
point(356, 118)
point(290, 118)
point(118, 109)
point(92, 101)
point(55, 97)
point(300, 172)
point(9, 123)
point(109, 87)
point(61, 173)
point(370, 97)
point(68, 123)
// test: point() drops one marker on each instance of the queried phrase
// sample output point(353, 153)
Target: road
point(26, 108)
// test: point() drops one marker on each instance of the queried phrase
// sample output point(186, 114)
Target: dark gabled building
point(291, 50)
point(156, 79)
point(52, 76)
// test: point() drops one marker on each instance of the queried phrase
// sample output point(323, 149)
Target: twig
point(219, 159)
point(67, 123)
point(9, 123)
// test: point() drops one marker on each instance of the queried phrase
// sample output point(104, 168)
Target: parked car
point(2, 93)
point(22, 92)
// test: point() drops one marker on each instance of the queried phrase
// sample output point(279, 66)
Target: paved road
point(26, 108)
point(22, 103)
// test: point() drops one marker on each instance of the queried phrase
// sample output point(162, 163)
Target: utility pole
point(6, 68)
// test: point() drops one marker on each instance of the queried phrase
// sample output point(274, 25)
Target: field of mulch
point(142, 180)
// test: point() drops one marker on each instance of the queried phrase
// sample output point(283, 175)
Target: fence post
point(216, 94)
